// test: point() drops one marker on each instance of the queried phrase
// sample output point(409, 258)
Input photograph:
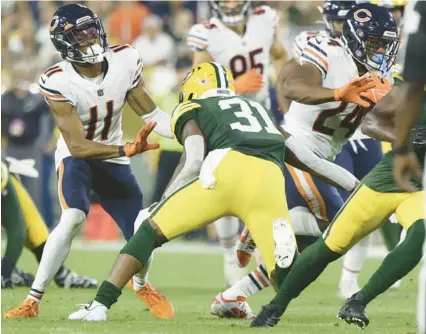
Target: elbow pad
point(321, 166)
point(163, 127)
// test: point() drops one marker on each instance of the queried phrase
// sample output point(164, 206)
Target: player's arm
point(304, 159)
point(283, 102)
point(142, 104)
point(278, 54)
point(201, 56)
point(192, 157)
point(72, 131)
point(379, 122)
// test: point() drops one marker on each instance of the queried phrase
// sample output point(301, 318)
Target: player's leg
point(357, 218)
point(122, 199)
point(397, 264)
point(37, 235)
point(74, 182)
point(227, 229)
point(12, 221)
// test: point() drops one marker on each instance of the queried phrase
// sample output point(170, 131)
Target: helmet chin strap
point(95, 54)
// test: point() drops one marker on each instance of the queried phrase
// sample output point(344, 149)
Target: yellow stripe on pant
point(366, 210)
point(37, 232)
point(247, 187)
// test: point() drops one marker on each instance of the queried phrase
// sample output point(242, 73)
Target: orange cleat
point(27, 309)
point(159, 305)
point(245, 248)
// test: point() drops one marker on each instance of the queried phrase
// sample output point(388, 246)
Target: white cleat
point(245, 248)
point(231, 308)
point(94, 311)
point(347, 288)
point(396, 285)
point(285, 243)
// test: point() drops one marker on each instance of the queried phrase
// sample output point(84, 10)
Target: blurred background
point(158, 30)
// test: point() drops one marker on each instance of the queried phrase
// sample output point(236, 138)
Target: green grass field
point(191, 281)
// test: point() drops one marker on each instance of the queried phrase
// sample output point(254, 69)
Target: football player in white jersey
point(318, 122)
point(86, 93)
point(242, 39)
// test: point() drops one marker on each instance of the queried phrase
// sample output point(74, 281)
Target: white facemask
point(94, 54)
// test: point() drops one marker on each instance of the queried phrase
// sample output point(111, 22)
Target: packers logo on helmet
point(206, 80)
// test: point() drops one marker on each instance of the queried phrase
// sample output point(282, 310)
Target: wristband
point(403, 149)
point(121, 151)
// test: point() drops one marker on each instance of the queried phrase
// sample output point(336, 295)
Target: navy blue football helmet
point(231, 12)
point(333, 13)
point(78, 34)
point(370, 34)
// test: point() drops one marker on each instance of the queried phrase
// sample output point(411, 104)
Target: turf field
point(191, 281)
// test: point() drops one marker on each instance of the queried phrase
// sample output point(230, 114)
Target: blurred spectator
point(26, 124)
point(182, 23)
point(154, 46)
point(125, 23)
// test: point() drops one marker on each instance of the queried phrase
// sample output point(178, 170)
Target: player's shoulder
point(54, 83)
point(302, 39)
point(264, 17)
point(198, 36)
point(264, 12)
point(185, 107)
point(125, 53)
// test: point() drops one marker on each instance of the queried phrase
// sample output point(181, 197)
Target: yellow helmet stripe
point(220, 75)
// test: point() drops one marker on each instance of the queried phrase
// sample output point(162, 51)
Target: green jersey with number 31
point(232, 122)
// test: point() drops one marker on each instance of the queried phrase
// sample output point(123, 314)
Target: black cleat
point(69, 279)
point(269, 316)
point(353, 312)
point(6, 283)
point(21, 278)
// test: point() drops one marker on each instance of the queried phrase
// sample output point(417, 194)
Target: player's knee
point(71, 221)
point(143, 242)
point(304, 223)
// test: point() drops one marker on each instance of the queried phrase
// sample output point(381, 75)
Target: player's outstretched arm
point(143, 105)
point(279, 55)
point(72, 130)
point(304, 159)
point(201, 56)
point(285, 71)
point(191, 160)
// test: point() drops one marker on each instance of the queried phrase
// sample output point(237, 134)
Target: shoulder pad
point(316, 52)
point(198, 36)
point(134, 63)
point(181, 109)
point(53, 84)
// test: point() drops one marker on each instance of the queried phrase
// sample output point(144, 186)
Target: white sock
point(354, 260)
point(249, 285)
point(56, 250)
point(141, 278)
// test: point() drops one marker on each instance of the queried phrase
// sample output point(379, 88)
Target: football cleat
point(285, 243)
point(69, 279)
point(245, 248)
point(269, 316)
point(94, 311)
point(353, 312)
point(347, 288)
point(27, 309)
point(21, 278)
point(158, 304)
point(231, 308)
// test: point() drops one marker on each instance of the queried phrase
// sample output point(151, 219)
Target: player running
point(220, 132)
point(242, 39)
point(367, 208)
point(86, 93)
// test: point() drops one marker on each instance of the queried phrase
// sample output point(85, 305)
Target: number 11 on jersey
point(93, 121)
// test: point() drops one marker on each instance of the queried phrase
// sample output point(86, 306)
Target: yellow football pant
point(37, 231)
point(366, 210)
point(247, 187)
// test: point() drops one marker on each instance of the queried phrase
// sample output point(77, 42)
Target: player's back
point(325, 127)
point(99, 102)
point(233, 122)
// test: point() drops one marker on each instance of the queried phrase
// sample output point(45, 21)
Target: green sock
point(107, 294)
point(308, 266)
point(142, 243)
point(391, 234)
point(398, 263)
point(281, 273)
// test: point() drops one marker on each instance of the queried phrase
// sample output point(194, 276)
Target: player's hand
point(351, 93)
point(141, 145)
point(404, 166)
point(249, 82)
point(382, 87)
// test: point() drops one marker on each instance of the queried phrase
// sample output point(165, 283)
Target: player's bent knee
point(304, 222)
point(71, 221)
point(143, 243)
